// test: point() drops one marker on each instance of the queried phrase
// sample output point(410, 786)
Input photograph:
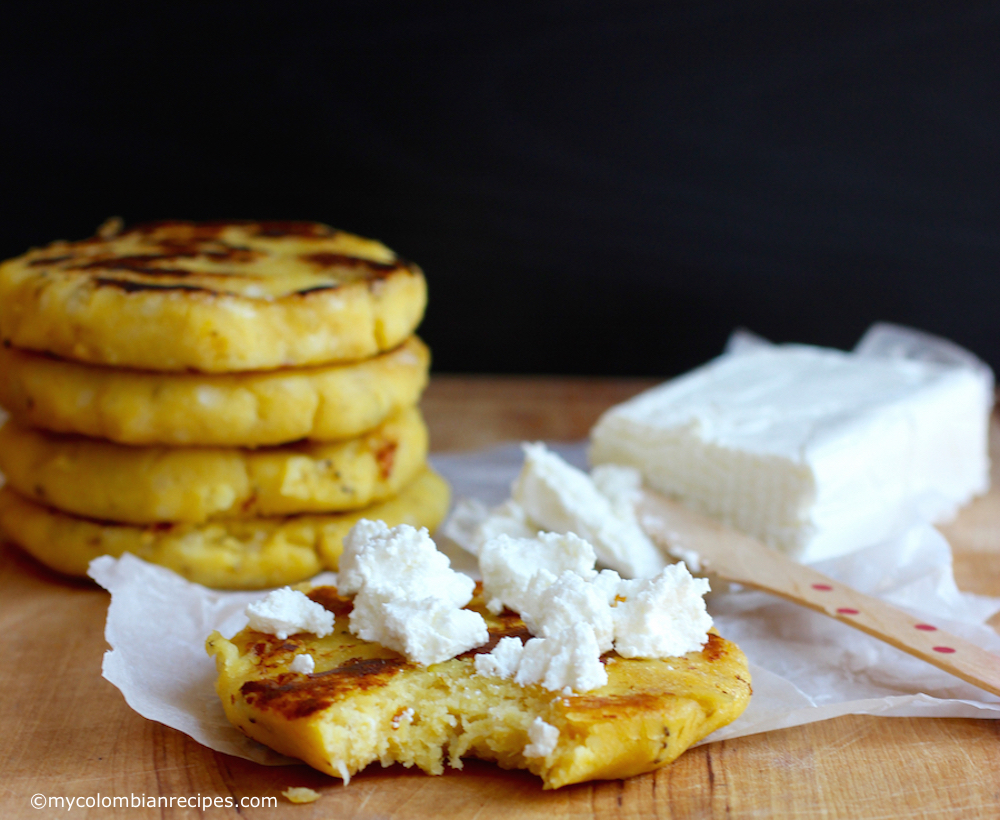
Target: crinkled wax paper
point(806, 667)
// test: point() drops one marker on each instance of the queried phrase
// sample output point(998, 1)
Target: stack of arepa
point(225, 399)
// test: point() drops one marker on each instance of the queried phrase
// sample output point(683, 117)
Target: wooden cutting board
point(65, 732)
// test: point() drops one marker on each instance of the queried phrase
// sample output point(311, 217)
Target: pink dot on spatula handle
point(926, 627)
point(947, 650)
point(846, 610)
point(822, 587)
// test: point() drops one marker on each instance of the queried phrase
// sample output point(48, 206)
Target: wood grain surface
point(64, 731)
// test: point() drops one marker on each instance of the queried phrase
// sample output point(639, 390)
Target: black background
point(603, 188)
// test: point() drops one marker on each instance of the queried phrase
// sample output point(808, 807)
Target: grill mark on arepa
point(715, 647)
point(275, 228)
point(363, 668)
point(328, 598)
point(127, 264)
point(328, 259)
point(143, 262)
point(295, 696)
point(205, 230)
point(314, 289)
point(49, 260)
point(170, 240)
point(213, 228)
point(130, 286)
point(613, 705)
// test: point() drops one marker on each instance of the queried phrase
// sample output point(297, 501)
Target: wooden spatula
point(736, 557)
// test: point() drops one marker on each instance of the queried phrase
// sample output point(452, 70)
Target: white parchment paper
point(806, 667)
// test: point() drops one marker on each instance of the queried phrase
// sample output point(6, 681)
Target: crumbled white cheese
point(427, 630)
point(401, 562)
point(569, 659)
point(543, 736)
point(506, 519)
point(578, 614)
point(552, 605)
point(622, 486)
point(509, 518)
point(502, 661)
point(286, 612)
point(304, 664)
point(508, 564)
point(691, 558)
point(608, 581)
point(471, 523)
point(661, 617)
point(463, 523)
point(552, 496)
point(561, 498)
point(813, 451)
point(407, 597)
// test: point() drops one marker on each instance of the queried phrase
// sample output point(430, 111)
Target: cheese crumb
point(543, 736)
point(286, 612)
point(303, 664)
point(406, 716)
point(300, 794)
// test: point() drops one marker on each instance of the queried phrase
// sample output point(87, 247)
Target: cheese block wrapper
point(814, 451)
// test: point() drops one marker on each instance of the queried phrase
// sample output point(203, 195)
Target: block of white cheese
point(815, 452)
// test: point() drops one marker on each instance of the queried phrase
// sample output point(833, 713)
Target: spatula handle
point(736, 557)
